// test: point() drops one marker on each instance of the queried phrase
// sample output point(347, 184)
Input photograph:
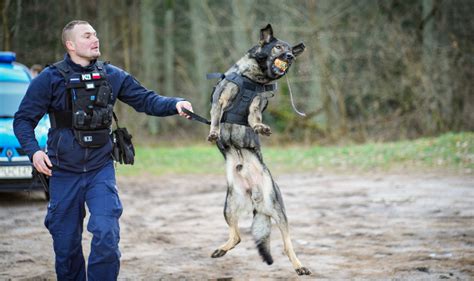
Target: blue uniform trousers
point(69, 193)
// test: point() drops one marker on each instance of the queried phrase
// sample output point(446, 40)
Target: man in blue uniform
point(79, 93)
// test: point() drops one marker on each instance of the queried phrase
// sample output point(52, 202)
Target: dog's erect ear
point(298, 49)
point(266, 34)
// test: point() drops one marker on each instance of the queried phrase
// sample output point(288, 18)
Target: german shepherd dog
point(250, 186)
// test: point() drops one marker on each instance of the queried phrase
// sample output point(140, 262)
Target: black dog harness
point(238, 112)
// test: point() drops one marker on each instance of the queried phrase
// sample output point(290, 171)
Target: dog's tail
point(261, 228)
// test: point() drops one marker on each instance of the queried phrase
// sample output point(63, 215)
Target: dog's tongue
point(281, 64)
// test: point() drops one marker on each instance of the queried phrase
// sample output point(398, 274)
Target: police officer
point(78, 159)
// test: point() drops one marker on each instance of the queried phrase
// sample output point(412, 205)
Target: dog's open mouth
point(280, 66)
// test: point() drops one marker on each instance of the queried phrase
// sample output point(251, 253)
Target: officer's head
point(80, 39)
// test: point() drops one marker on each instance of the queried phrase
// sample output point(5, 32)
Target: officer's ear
point(70, 46)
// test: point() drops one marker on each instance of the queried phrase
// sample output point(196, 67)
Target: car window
point(11, 95)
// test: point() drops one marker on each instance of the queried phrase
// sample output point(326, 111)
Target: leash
point(291, 98)
point(196, 117)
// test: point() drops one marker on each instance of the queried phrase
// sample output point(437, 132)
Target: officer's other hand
point(184, 104)
point(42, 163)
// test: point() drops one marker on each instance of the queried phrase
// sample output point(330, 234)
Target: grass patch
point(452, 151)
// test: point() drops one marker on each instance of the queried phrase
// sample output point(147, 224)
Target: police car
point(15, 167)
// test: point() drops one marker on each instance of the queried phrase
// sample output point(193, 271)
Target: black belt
point(61, 119)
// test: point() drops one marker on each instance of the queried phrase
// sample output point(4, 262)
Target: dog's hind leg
point(261, 229)
point(282, 222)
point(235, 200)
point(231, 217)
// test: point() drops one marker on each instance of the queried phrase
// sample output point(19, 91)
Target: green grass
point(452, 151)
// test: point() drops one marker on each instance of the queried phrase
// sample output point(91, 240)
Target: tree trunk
point(17, 29)
point(104, 28)
point(334, 98)
point(241, 11)
point(148, 50)
point(6, 30)
point(168, 54)
point(124, 35)
point(201, 58)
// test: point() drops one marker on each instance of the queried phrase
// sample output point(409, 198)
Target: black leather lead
point(196, 117)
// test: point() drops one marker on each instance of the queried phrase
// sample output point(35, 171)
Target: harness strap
point(63, 68)
point(247, 83)
point(61, 119)
point(215, 75)
point(116, 119)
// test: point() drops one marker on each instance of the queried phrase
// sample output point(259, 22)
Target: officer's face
point(85, 42)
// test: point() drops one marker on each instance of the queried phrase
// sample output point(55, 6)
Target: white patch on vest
point(87, 138)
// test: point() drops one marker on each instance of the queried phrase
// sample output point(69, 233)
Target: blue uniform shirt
point(47, 93)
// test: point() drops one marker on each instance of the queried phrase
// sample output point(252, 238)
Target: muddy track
point(371, 226)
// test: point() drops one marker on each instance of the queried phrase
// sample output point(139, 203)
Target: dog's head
point(274, 56)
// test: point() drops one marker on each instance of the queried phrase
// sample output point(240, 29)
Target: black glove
point(123, 151)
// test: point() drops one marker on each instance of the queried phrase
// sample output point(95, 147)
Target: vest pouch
point(92, 139)
point(101, 118)
point(80, 119)
point(103, 95)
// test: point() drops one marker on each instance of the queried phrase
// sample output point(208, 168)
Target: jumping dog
point(238, 101)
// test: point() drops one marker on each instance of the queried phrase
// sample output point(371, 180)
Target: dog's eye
point(278, 47)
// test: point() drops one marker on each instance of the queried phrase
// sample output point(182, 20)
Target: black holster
point(43, 179)
point(123, 150)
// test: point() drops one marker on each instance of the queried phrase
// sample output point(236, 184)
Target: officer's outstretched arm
point(144, 100)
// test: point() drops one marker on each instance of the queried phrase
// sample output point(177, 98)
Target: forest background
point(372, 70)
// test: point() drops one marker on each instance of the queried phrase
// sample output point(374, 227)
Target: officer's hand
point(42, 163)
point(184, 104)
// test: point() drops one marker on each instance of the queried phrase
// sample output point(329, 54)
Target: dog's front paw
point(303, 271)
point(213, 136)
point(262, 129)
point(218, 253)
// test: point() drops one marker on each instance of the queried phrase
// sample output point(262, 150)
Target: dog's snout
point(289, 56)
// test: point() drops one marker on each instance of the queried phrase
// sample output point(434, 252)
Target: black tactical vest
point(90, 105)
point(238, 111)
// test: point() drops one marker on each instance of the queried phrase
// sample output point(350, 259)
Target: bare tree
point(5, 25)
point(149, 62)
point(201, 58)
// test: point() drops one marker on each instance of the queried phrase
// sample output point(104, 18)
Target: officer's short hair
point(68, 27)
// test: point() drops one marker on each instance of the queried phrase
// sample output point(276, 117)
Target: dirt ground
point(357, 226)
